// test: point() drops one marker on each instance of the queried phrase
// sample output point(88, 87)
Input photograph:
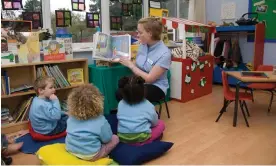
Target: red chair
point(270, 87)
point(230, 96)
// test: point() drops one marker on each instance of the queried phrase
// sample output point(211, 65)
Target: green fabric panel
point(268, 16)
point(106, 80)
point(133, 137)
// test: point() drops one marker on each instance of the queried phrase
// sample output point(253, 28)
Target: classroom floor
point(198, 139)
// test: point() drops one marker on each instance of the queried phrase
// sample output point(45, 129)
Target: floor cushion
point(62, 157)
point(40, 137)
point(126, 154)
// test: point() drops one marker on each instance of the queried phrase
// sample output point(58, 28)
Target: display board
point(267, 13)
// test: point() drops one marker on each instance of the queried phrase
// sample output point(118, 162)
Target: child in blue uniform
point(89, 135)
point(45, 114)
point(137, 119)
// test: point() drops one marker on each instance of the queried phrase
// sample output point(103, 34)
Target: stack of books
point(5, 116)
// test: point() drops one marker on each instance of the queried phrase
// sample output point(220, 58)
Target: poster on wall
point(228, 11)
point(266, 10)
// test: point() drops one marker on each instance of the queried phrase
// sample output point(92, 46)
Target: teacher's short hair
point(132, 89)
point(152, 25)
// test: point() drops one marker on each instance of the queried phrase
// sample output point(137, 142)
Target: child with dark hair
point(138, 122)
point(89, 135)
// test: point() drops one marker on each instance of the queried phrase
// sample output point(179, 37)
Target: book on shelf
point(30, 51)
point(5, 83)
point(21, 112)
point(55, 72)
point(7, 58)
point(6, 118)
point(111, 48)
point(67, 40)
point(53, 50)
point(75, 76)
point(22, 88)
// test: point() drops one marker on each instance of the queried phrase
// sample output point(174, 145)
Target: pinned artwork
point(127, 9)
point(116, 23)
point(92, 20)
point(228, 11)
point(78, 5)
point(63, 18)
point(12, 4)
point(261, 8)
point(35, 17)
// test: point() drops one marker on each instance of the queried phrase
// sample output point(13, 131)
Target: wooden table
point(238, 75)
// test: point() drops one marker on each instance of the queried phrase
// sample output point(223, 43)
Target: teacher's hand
point(126, 62)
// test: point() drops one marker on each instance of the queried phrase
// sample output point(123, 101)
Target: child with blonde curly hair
point(89, 135)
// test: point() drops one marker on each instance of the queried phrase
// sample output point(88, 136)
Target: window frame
point(105, 26)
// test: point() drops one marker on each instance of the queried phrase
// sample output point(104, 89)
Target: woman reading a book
point(153, 59)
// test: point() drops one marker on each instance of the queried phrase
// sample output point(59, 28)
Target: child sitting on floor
point(89, 135)
point(8, 147)
point(138, 122)
point(45, 114)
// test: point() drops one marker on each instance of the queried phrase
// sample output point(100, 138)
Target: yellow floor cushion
point(56, 154)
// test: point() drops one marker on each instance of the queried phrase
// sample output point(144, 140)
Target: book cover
point(30, 51)
point(7, 58)
point(110, 48)
point(75, 76)
point(53, 50)
point(67, 39)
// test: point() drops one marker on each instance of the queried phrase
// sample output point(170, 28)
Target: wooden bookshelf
point(26, 74)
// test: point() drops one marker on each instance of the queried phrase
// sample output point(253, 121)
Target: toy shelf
point(258, 31)
point(248, 28)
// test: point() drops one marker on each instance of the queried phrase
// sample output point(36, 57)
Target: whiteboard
point(228, 11)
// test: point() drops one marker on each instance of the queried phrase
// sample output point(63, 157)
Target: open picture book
point(111, 48)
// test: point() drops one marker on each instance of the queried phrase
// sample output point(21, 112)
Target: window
point(171, 6)
point(183, 13)
point(28, 6)
point(126, 12)
point(81, 29)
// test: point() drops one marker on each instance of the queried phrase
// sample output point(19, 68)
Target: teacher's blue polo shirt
point(157, 54)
